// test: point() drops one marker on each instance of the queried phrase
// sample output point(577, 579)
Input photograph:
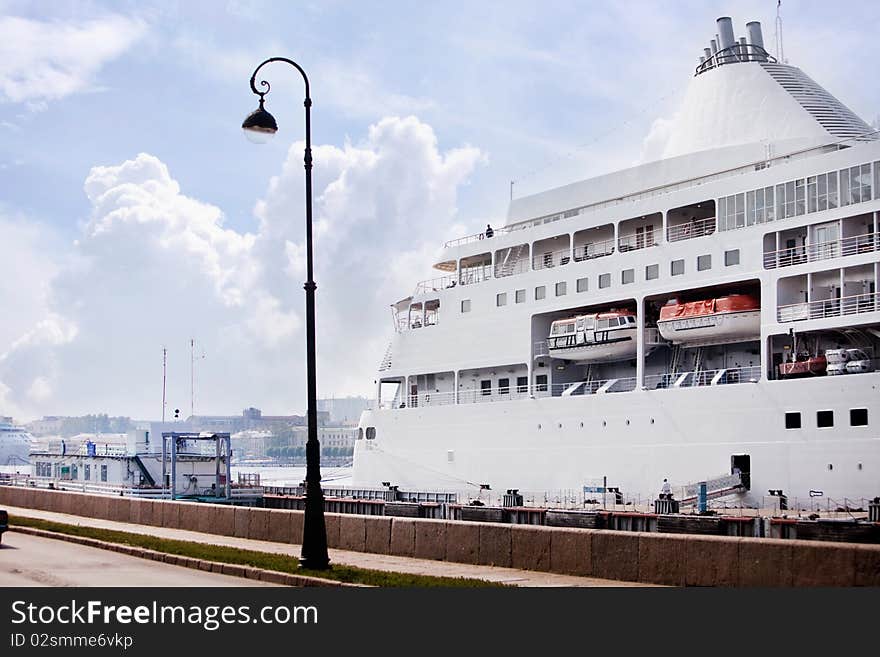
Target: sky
point(134, 216)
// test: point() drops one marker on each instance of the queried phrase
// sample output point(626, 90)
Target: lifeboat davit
point(596, 338)
point(720, 320)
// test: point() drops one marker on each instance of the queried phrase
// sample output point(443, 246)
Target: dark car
point(4, 523)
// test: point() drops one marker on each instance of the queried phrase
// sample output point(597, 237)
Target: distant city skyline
point(135, 217)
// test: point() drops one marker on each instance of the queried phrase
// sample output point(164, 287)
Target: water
point(278, 475)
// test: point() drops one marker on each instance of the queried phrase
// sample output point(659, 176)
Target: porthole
point(539, 426)
point(652, 420)
point(604, 423)
point(560, 425)
point(627, 423)
point(582, 425)
point(830, 466)
point(860, 466)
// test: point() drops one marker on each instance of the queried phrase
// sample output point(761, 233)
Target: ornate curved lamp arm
point(264, 83)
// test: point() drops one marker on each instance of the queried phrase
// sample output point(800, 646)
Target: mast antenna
point(164, 372)
point(780, 50)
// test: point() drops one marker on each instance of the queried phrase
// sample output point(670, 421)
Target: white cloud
point(155, 267)
point(42, 61)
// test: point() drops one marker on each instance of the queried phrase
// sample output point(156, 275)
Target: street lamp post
point(259, 126)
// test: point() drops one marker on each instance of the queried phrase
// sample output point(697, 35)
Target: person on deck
point(489, 231)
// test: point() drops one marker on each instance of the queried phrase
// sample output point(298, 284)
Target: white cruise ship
point(15, 443)
point(669, 321)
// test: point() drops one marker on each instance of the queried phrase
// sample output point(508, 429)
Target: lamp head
point(259, 126)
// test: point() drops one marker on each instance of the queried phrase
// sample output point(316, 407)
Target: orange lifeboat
point(718, 320)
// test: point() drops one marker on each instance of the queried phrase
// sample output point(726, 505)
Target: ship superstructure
point(741, 257)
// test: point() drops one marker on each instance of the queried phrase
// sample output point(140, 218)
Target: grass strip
point(238, 556)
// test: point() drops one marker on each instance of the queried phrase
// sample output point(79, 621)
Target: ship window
point(520, 296)
point(652, 272)
point(789, 199)
point(792, 420)
point(583, 284)
point(522, 384)
point(604, 280)
point(877, 179)
point(503, 386)
point(865, 179)
point(465, 305)
point(371, 433)
point(750, 208)
point(824, 419)
point(87, 474)
point(677, 267)
point(540, 292)
point(832, 190)
point(485, 387)
point(769, 211)
point(845, 189)
point(541, 382)
point(858, 417)
point(501, 299)
point(704, 262)
point(360, 435)
point(822, 192)
point(812, 195)
point(731, 257)
point(799, 197)
point(103, 473)
point(561, 289)
point(628, 276)
point(759, 206)
point(780, 201)
point(740, 211)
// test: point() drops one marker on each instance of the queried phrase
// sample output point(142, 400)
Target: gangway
point(720, 486)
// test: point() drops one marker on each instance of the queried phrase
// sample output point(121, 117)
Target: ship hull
point(635, 440)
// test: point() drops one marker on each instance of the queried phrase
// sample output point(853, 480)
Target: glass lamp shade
point(259, 126)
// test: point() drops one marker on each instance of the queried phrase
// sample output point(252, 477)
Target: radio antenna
point(780, 50)
point(164, 371)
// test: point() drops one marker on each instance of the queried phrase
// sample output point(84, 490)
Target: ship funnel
point(707, 52)
point(725, 30)
point(714, 46)
point(756, 38)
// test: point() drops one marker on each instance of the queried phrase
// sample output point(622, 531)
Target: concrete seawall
point(656, 558)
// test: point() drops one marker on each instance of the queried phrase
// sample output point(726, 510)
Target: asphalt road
point(36, 561)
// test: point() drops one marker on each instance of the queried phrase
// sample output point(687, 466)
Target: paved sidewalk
point(360, 559)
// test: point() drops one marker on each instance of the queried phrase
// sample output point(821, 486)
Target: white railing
point(551, 259)
point(581, 388)
point(436, 284)
point(851, 305)
point(490, 395)
point(592, 250)
point(478, 274)
point(639, 241)
point(518, 266)
point(716, 377)
point(691, 229)
point(822, 251)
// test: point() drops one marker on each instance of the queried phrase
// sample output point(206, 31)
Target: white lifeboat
point(720, 320)
point(597, 337)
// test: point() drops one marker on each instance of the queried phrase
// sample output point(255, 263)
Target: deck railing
point(639, 241)
point(551, 259)
point(690, 230)
point(592, 250)
point(799, 255)
point(715, 377)
point(436, 284)
point(822, 308)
